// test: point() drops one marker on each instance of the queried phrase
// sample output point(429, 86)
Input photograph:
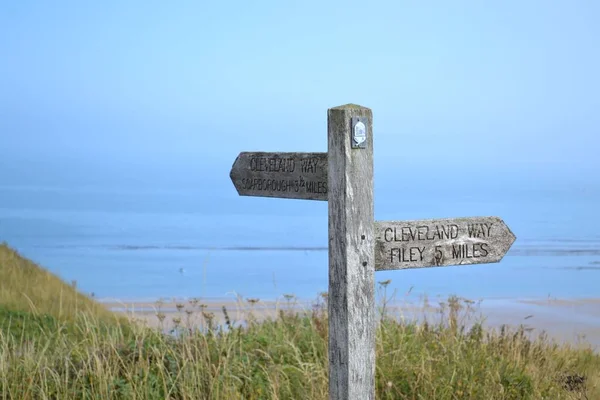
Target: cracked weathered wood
point(440, 242)
point(283, 175)
point(351, 300)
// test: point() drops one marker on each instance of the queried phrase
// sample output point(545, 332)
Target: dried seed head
point(385, 283)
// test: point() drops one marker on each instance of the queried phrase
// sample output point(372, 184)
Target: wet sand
point(573, 321)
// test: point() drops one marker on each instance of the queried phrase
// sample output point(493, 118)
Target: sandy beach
point(574, 321)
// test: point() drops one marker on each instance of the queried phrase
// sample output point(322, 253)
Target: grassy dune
point(24, 286)
point(69, 347)
point(29, 292)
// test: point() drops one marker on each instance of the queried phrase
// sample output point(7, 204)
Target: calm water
point(148, 244)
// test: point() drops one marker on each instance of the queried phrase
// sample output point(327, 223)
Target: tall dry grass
point(43, 356)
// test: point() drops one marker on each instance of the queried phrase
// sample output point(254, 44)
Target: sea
point(145, 244)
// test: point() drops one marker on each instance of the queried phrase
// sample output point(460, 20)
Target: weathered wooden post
point(351, 299)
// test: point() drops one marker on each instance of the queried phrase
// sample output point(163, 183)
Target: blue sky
point(139, 92)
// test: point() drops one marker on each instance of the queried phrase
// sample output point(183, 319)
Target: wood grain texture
point(351, 259)
point(440, 242)
point(282, 175)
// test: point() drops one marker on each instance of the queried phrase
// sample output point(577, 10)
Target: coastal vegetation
point(56, 343)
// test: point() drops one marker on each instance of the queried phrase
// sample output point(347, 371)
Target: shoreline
point(496, 301)
point(569, 320)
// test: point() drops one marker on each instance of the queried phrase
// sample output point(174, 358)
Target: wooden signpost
point(358, 245)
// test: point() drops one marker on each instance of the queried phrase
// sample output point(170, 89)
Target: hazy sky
point(136, 91)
